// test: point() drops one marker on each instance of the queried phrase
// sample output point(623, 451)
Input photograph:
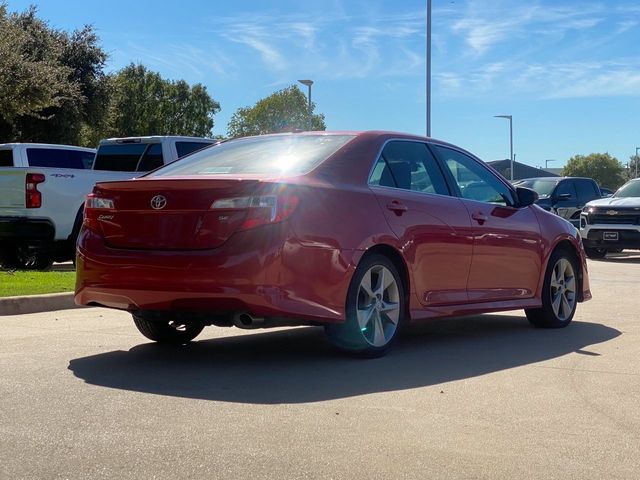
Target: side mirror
point(526, 196)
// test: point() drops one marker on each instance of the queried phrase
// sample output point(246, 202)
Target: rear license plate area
point(610, 236)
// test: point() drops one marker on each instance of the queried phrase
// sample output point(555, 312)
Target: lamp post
point(637, 148)
point(428, 68)
point(510, 118)
point(308, 83)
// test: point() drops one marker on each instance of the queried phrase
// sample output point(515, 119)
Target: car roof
point(154, 139)
point(48, 145)
point(554, 179)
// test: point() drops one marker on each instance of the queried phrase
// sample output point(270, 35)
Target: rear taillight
point(96, 208)
point(261, 210)
point(33, 198)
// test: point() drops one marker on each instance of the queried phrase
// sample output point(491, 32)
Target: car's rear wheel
point(595, 253)
point(375, 309)
point(167, 331)
point(559, 293)
point(25, 258)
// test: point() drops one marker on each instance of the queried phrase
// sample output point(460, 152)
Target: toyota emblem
point(158, 202)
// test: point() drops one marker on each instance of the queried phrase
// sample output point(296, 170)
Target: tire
point(167, 331)
point(24, 258)
point(375, 310)
point(595, 253)
point(559, 293)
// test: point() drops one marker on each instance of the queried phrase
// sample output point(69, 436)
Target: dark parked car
point(564, 196)
point(359, 232)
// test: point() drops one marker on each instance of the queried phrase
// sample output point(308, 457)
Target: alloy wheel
point(563, 289)
point(378, 306)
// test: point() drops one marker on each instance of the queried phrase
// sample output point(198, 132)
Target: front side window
point(409, 166)
point(565, 191)
point(473, 180)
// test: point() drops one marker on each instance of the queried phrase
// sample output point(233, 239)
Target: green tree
point(32, 77)
point(634, 167)
point(79, 118)
point(143, 103)
point(284, 110)
point(602, 167)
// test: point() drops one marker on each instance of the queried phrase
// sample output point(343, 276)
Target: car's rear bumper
point(252, 272)
point(26, 229)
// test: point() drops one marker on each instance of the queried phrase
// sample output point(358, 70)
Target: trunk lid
point(175, 214)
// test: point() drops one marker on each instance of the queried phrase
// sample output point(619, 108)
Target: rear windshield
point(542, 187)
point(630, 189)
point(282, 154)
point(128, 157)
point(59, 158)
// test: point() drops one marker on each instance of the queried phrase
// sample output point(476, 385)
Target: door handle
point(397, 207)
point(479, 217)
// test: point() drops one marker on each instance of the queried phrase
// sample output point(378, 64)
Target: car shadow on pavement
point(297, 365)
point(627, 256)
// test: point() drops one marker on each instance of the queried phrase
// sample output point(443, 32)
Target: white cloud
point(545, 80)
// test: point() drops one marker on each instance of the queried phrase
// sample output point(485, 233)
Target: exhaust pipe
point(247, 321)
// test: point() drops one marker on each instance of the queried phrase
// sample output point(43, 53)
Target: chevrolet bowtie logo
point(612, 212)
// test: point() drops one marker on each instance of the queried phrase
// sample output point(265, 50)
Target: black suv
point(564, 196)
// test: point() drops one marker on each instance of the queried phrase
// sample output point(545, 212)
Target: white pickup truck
point(41, 202)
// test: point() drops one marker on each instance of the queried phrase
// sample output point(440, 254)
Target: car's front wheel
point(559, 293)
point(167, 331)
point(375, 309)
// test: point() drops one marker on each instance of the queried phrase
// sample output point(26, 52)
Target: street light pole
point(510, 118)
point(428, 68)
point(308, 83)
point(637, 148)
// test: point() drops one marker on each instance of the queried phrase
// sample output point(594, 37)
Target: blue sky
point(568, 71)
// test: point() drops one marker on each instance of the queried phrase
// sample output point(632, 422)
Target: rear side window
point(6, 158)
point(185, 148)
point(59, 158)
point(120, 157)
point(409, 166)
point(586, 191)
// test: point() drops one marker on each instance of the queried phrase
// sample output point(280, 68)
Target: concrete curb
point(36, 303)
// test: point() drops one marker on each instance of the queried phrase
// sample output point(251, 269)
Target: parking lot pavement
point(85, 396)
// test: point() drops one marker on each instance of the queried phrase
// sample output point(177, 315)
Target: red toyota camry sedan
point(360, 232)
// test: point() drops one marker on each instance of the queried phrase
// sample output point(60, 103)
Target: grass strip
point(35, 283)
